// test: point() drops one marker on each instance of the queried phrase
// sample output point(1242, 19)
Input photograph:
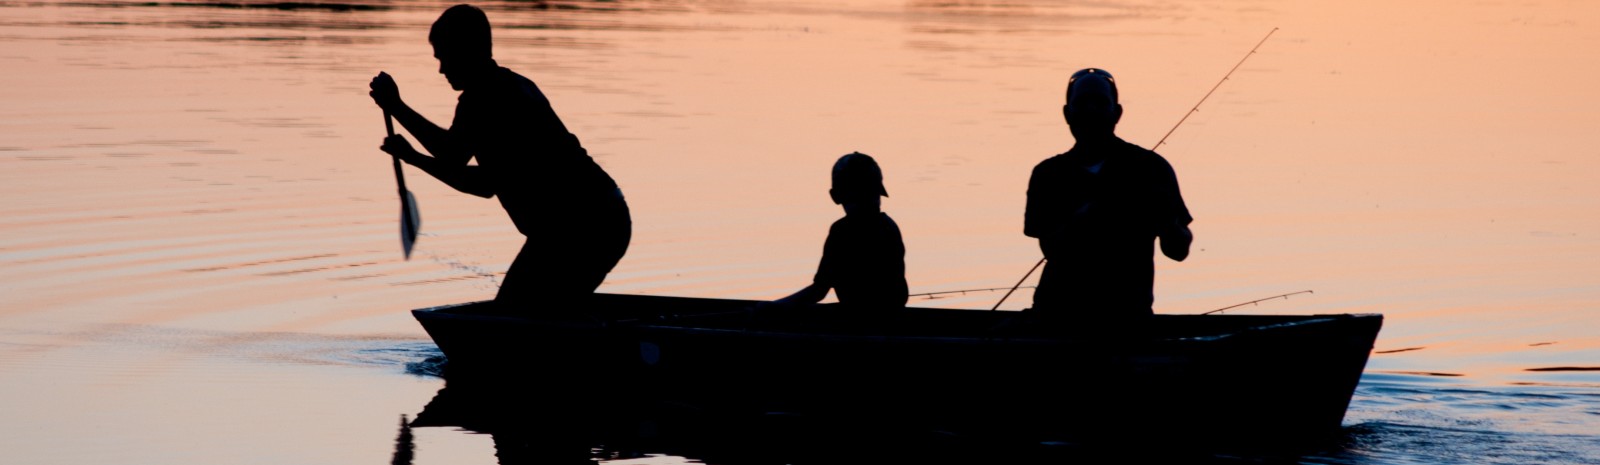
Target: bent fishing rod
point(932, 295)
point(935, 295)
point(1257, 301)
point(1163, 140)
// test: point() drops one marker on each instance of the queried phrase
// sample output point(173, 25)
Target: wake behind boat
point(1205, 378)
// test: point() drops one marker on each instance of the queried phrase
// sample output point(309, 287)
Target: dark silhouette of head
point(857, 179)
point(1092, 111)
point(461, 42)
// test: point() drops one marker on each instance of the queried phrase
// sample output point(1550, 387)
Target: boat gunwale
point(446, 312)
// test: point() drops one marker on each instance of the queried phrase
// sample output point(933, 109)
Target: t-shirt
point(864, 262)
point(540, 173)
point(1103, 256)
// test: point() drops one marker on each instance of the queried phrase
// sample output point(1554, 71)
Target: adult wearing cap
point(572, 213)
point(1096, 210)
point(863, 259)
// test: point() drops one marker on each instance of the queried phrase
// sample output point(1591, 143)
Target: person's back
point(545, 176)
point(1103, 256)
point(863, 259)
point(1096, 210)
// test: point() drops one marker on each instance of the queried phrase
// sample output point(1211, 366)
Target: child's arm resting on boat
point(809, 295)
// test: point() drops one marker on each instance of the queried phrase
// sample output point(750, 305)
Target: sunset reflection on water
point(191, 188)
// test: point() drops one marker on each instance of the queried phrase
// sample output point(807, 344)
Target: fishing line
point(473, 270)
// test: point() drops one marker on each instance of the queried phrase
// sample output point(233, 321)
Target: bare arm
point(432, 137)
point(468, 179)
point(449, 160)
point(827, 273)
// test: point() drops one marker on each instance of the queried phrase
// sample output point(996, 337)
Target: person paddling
point(570, 210)
point(1096, 210)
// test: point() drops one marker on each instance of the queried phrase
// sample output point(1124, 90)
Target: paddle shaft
point(1163, 140)
point(409, 219)
point(399, 176)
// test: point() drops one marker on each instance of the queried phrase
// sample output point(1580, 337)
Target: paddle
point(410, 220)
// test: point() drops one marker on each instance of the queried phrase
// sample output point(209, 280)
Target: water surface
point(199, 240)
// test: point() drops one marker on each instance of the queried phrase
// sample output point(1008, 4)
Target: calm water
point(198, 240)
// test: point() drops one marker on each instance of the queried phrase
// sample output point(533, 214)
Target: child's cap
point(857, 172)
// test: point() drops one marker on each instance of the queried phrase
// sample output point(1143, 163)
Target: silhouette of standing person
point(1096, 210)
point(573, 215)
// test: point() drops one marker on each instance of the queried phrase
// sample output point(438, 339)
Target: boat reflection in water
point(526, 424)
point(661, 374)
point(532, 422)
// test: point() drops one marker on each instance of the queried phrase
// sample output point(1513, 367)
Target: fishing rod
point(1225, 77)
point(1163, 140)
point(930, 295)
point(1257, 301)
point(1019, 284)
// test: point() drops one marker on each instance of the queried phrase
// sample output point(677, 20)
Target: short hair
point(1092, 73)
point(462, 30)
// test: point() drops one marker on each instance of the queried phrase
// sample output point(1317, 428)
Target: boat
point(1206, 378)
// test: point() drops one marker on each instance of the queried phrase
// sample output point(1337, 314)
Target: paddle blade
point(410, 222)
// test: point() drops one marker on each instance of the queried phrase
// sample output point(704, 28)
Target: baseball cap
point(1111, 82)
point(857, 172)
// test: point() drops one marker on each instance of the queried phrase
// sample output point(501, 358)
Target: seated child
point(863, 260)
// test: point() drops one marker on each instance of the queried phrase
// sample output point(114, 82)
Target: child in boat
point(863, 260)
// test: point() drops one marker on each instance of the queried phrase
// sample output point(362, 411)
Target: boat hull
point(1206, 378)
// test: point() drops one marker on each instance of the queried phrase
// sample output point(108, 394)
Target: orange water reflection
point(216, 168)
point(1428, 162)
